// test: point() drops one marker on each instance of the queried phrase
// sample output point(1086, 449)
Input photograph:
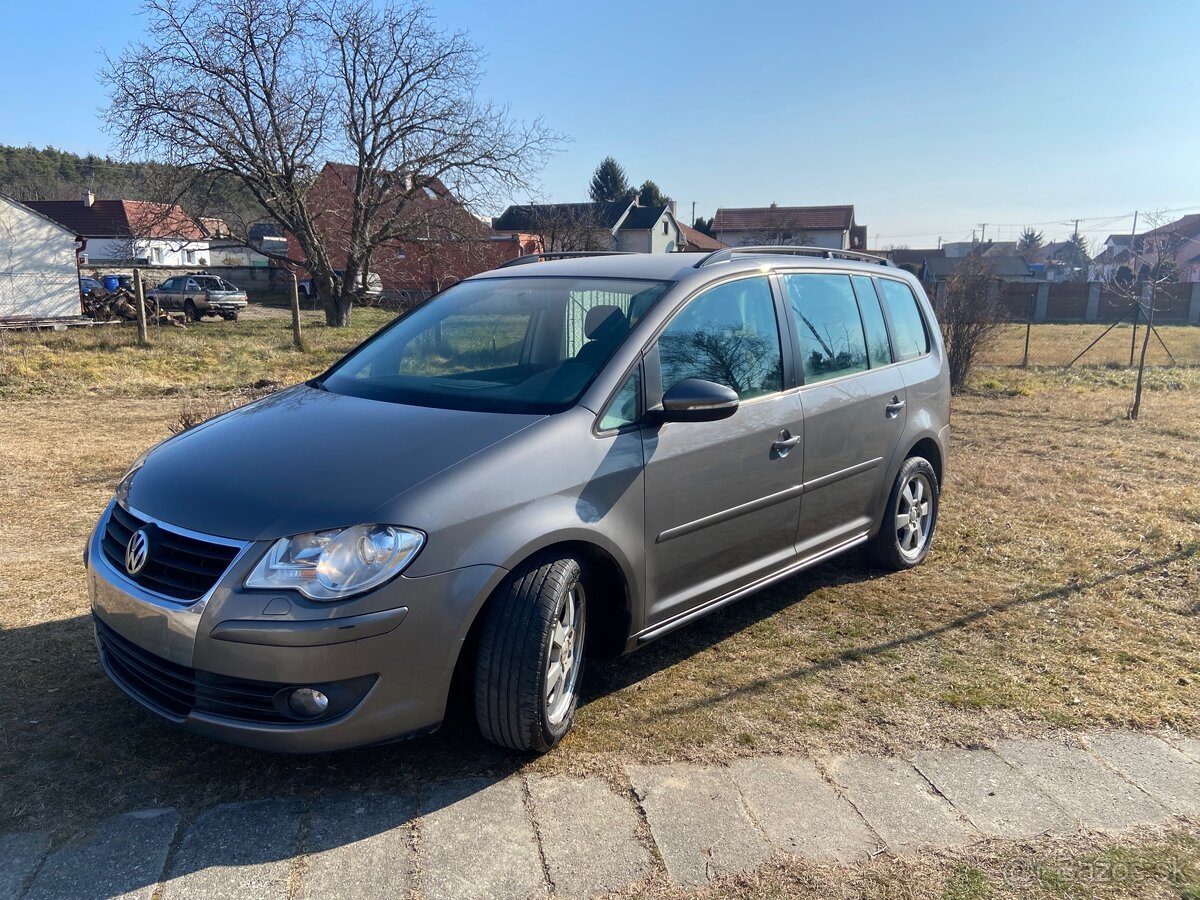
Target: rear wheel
point(190, 312)
point(531, 655)
point(909, 519)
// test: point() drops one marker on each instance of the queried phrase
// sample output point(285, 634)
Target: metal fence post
point(140, 304)
point(1028, 329)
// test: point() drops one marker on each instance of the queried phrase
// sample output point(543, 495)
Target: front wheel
point(909, 519)
point(531, 655)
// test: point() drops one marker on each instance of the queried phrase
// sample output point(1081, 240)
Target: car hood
point(304, 460)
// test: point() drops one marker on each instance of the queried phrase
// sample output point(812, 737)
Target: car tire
point(909, 520)
point(190, 312)
point(230, 316)
point(530, 655)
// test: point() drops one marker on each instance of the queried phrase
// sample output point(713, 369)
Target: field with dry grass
point(1063, 592)
point(1060, 344)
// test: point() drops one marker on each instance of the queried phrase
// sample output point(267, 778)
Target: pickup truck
point(200, 295)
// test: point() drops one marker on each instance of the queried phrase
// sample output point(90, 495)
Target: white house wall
point(38, 274)
point(158, 252)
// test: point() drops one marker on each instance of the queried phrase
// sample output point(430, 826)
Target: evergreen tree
point(650, 195)
point(610, 183)
point(1030, 243)
point(704, 226)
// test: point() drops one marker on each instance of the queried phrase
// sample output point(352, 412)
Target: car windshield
point(519, 345)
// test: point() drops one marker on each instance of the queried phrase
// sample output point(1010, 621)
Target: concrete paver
point(1158, 769)
point(589, 835)
point(801, 812)
point(237, 850)
point(1097, 797)
point(20, 854)
point(996, 798)
point(1189, 747)
point(698, 821)
point(479, 843)
point(898, 803)
point(359, 846)
point(123, 857)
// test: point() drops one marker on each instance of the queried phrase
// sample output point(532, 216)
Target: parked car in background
point(374, 285)
point(200, 295)
point(582, 454)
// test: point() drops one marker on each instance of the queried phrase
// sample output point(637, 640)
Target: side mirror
point(696, 400)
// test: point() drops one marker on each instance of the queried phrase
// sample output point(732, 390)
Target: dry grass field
point(1063, 592)
point(1058, 345)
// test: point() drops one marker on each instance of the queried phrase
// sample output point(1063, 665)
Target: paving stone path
point(542, 835)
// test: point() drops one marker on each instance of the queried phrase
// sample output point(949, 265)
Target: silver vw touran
point(544, 462)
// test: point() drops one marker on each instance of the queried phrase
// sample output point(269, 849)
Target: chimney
point(671, 203)
point(88, 198)
point(774, 205)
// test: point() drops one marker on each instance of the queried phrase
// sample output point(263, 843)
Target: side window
point(879, 349)
point(729, 335)
point(908, 326)
point(831, 331)
point(623, 409)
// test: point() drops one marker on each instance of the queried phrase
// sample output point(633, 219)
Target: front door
point(722, 498)
point(854, 405)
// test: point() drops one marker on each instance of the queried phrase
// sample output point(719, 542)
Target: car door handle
point(785, 442)
point(893, 409)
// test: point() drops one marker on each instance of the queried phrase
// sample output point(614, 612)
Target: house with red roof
point(799, 226)
point(129, 232)
point(443, 243)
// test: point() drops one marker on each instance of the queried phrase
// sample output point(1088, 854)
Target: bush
point(968, 309)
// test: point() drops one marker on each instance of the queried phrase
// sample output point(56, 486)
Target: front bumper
point(396, 647)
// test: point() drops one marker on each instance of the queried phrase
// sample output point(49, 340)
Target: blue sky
point(931, 118)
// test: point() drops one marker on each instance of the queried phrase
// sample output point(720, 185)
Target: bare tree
point(968, 310)
point(571, 227)
point(1152, 265)
point(265, 91)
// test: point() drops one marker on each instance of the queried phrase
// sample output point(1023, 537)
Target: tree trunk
point(337, 311)
point(1137, 392)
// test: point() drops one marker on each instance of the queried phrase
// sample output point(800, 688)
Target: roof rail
point(528, 258)
point(727, 253)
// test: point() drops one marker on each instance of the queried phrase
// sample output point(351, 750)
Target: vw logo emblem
point(136, 551)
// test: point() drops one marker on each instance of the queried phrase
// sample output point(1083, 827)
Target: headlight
point(334, 565)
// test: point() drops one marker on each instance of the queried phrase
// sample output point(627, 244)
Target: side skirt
point(657, 631)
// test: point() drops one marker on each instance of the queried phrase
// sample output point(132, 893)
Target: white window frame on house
point(191, 257)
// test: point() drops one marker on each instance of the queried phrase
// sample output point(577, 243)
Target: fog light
point(308, 702)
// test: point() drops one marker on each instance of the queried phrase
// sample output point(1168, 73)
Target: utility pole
point(693, 222)
point(983, 232)
point(1132, 245)
point(939, 242)
point(1076, 228)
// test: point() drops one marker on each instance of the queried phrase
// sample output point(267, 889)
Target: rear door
point(854, 404)
point(722, 498)
point(926, 381)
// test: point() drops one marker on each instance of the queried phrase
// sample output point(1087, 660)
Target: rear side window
point(728, 335)
point(831, 332)
point(879, 350)
point(910, 339)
